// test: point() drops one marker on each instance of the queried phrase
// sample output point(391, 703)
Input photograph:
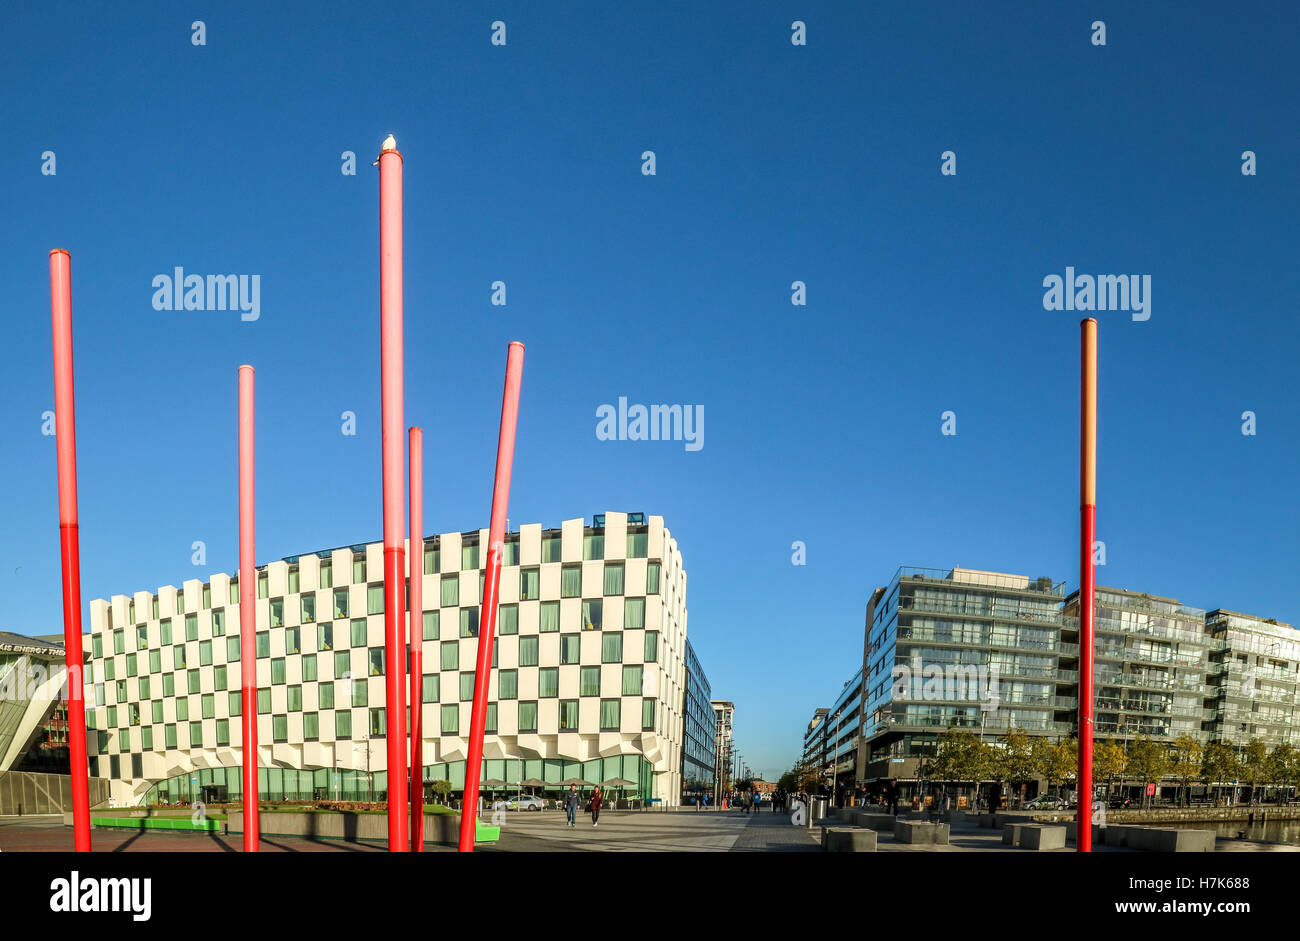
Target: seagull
point(390, 144)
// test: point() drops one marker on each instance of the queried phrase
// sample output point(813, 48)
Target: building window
point(234, 591)
point(358, 568)
point(611, 648)
point(325, 695)
point(132, 668)
point(450, 655)
point(292, 641)
point(97, 646)
point(430, 625)
point(207, 596)
point(340, 602)
point(155, 661)
point(375, 599)
point(219, 678)
point(593, 546)
point(205, 653)
point(277, 671)
point(263, 644)
point(647, 715)
point(507, 684)
point(450, 596)
point(450, 720)
point(469, 622)
point(263, 585)
point(610, 715)
point(510, 551)
point(358, 628)
point(551, 547)
point(550, 617)
point(219, 623)
point(208, 706)
point(638, 545)
point(469, 556)
point(490, 721)
point(119, 641)
point(632, 680)
point(430, 560)
point(528, 651)
point(592, 610)
point(569, 715)
point(430, 690)
point(327, 574)
point(308, 613)
point(548, 682)
point(571, 581)
point(165, 631)
point(169, 735)
point(144, 687)
point(651, 647)
point(141, 637)
point(342, 664)
point(146, 740)
point(509, 619)
point(376, 661)
point(529, 584)
point(377, 722)
point(589, 684)
point(169, 684)
point(183, 709)
point(191, 627)
point(570, 647)
point(342, 724)
point(633, 614)
point(178, 659)
point(295, 698)
point(652, 578)
point(466, 687)
point(528, 717)
point(235, 702)
point(311, 726)
point(309, 668)
point(192, 676)
point(613, 578)
point(325, 636)
point(263, 702)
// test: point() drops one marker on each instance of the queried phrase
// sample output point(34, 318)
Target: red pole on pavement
point(65, 441)
point(1088, 535)
point(417, 638)
point(390, 355)
point(491, 591)
point(248, 610)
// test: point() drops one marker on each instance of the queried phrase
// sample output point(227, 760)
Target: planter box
point(1033, 836)
point(438, 828)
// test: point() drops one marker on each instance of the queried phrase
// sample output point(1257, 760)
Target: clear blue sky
point(775, 163)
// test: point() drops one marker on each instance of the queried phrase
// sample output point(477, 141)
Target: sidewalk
point(768, 832)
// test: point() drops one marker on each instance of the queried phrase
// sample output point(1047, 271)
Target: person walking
point(892, 790)
point(571, 802)
point(595, 806)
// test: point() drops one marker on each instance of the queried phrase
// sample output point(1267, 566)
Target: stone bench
point(848, 840)
point(916, 831)
point(874, 821)
point(1034, 836)
point(1161, 839)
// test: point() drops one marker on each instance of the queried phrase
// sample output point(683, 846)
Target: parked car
point(527, 802)
point(1046, 802)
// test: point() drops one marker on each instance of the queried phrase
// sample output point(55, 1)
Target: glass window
point(593, 546)
point(468, 556)
point(292, 644)
point(430, 692)
point(569, 715)
point(342, 664)
point(309, 668)
point(223, 731)
point(451, 719)
point(294, 584)
point(358, 568)
point(110, 669)
point(178, 658)
point(376, 666)
point(430, 560)
point(469, 622)
point(219, 678)
point(633, 614)
point(450, 591)
point(219, 623)
point(97, 645)
point(343, 724)
point(193, 680)
point(551, 547)
point(169, 735)
point(466, 687)
point(169, 684)
point(311, 726)
point(165, 629)
point(234, 702)
point(651, 647)
point(155, 661)
point(183, 709)
point(141, 637)
point(263, 644)
point(325, 693)
point(632, 680)
point(507, 684)
point(277, 612)
point(570, 647)
point(430, 625)
point(327, 575)
point(234, 591)
point(358, 627)
point(207, 596)
point(263, 585)
point(613, 578)
point(378, 722)
point(232, 649)
point(308, 614)
point(528, 717)
point(325, 636)
point(375, 599)
point(279, 728)
point(509, 619)
point(205, 653)
point(592, 611)
point(510, 551)
point(450, 655)
point(340, 602)
point(132, 667)
point(208, 706)
point(610, 714)
point(360, 693)
point(647, 715)
point(295, 698)
point(191, 627)
point(548, 682)
point(263, 702)
point(550, 621)
point(590, 682)
point(144, 687)
point(571, 581)
point(146, 741)
point(157, 708)
point(119, 641)
point(490, 722)
point(529, 584)
point(277, 670)
point(652, 578)
point(611, 648)
point(528, 651)
point(638, 545)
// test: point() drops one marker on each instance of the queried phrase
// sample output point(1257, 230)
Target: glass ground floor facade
point(293, 784)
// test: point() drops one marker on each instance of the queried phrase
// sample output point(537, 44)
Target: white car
point(1046, 802)
point(527, 802)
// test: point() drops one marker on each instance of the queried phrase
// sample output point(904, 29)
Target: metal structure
point(65, 431)
point(491, 590)
point(390, 354)
point(1087, 593)
point(416, 632)
point(248, 607)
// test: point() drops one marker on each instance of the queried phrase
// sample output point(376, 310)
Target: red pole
point(417, 638)
point(1088, 534)
point(248, 610)
point(390, 355)
point(491, 586)
point(65, 439)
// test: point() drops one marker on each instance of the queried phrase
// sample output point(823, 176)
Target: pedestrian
point(706, 801)
point(571, 801)
point(595, 806)
point(893, 791)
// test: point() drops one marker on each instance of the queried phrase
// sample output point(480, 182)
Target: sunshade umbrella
point(578, 781)
point(619, 783)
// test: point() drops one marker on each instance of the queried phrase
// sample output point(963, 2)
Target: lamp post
point(835, 759)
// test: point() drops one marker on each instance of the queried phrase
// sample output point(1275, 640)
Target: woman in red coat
point(595, 806)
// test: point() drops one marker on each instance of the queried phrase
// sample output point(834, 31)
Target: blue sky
point(775, 163)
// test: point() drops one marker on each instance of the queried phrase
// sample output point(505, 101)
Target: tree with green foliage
point(961, 757)
point(1148, 763)
point(1014, 761)
point(1186, 756)
point(1254, 766)
point(1108, 762)
point(1058, 762)
point(1283, 767)
point(442, 790)
point(1219, 765)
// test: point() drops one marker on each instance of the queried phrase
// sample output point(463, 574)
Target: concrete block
point(848, 840)
point(1042, 838)
point(916, 831)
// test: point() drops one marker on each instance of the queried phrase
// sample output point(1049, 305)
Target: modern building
point(698, 746)
point(1255, 669)
point(815, 745)
point(724, 712)
point(590, 671)
point(958, 648)
point(1151, 674)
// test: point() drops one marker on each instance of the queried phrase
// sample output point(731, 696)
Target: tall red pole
point(1087, 535)
point(65, 440)
point(491, 591)
point(248, 610)
point(390, 355)
point(416, 447)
